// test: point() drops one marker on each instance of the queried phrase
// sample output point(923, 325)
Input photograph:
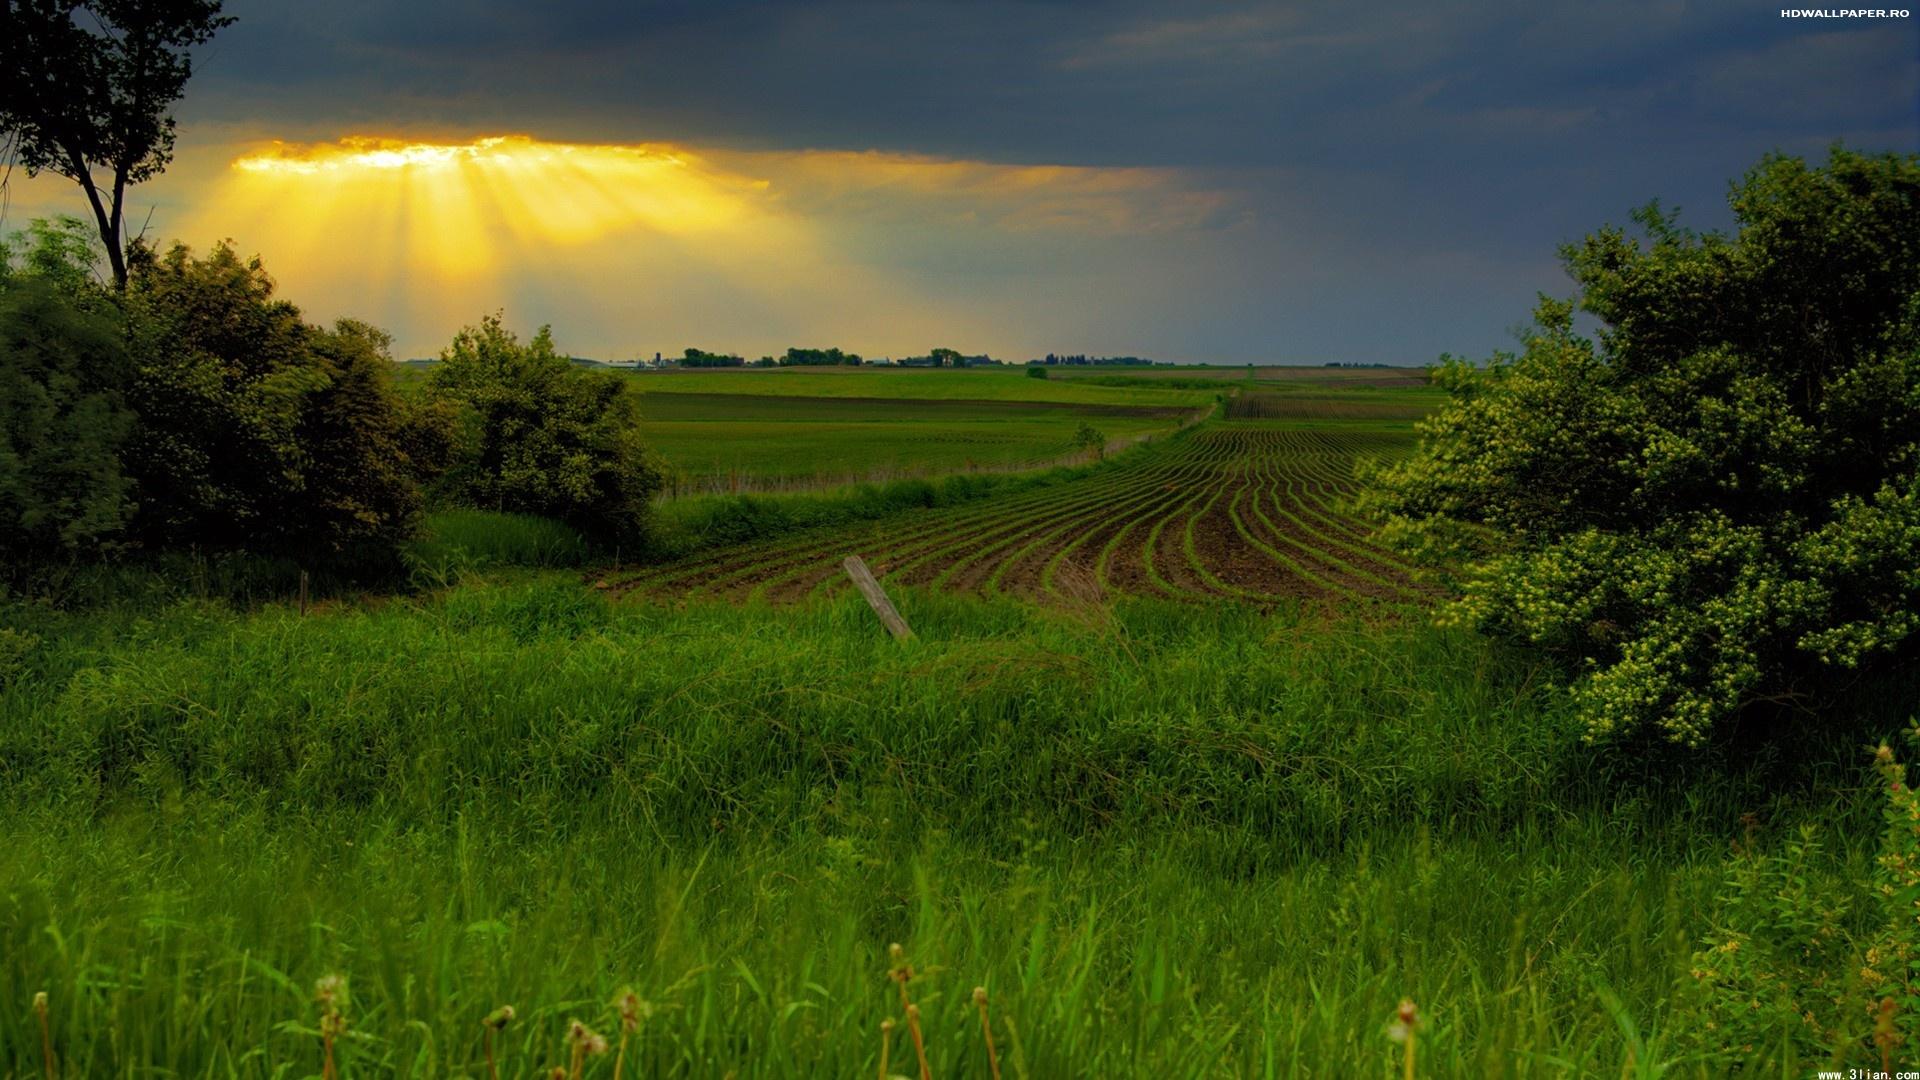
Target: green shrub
point(258, 431)
point(539, 435)
point(63, 422)
point(1719, 503)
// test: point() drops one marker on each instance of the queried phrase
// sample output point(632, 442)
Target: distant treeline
point(1082, 359)
point(831, 357)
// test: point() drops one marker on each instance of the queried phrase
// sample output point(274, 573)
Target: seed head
point(632, 1011)
point(585, 1038)
point(331, 991)
point(499, 1018)
point(979, 995)
point(1406, 1021)
point(886, 1026)
point(40, 1004)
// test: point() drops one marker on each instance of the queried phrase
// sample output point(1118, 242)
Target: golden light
point(456, 204)
point(641, 240)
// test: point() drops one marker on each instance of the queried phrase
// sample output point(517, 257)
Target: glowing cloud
point(629, 240)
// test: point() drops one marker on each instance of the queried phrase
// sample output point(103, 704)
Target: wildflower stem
point(46, 1033)
point(919, 1044)
point(986, 1031)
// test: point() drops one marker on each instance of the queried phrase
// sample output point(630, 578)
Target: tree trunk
point(107, 221)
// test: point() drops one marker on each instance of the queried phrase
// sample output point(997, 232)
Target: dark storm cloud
point(1388, 138)
point(1186, 85)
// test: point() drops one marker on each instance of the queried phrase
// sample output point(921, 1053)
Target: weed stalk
point(46, 1032)
point(986, 1031)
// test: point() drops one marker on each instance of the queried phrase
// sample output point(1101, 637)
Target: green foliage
point(258, 431)
point(63, 421)
point(1035, 371)
point(1719, 503)
point(1089, 438)
point(700, 358)
point(1802, 961)
point(541, 436)
point(60, 251)
point(16, 653)
point(1772, 972)
point(796, 357)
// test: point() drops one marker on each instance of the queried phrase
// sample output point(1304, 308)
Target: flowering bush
point(1718, 501)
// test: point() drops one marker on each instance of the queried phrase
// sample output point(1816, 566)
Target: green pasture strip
point(819, 455)
point(669, 405)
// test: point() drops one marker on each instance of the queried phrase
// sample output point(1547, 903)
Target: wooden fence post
point(856, 569)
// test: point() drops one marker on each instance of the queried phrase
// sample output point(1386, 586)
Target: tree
point(85, 89)
point(1718, 504)
point(541, 436)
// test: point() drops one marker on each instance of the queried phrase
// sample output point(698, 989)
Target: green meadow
point(1167, 840)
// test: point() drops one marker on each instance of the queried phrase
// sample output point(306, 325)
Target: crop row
point(1243, 511)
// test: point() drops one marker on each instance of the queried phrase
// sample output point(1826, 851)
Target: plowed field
point(1247, 510)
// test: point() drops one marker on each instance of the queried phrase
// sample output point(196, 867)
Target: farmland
point(806, 429)
point(1250, 510)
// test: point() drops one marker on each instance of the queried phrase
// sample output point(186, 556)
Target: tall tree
point(85, 92)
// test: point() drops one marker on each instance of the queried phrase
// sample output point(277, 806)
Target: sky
point(1219, 182)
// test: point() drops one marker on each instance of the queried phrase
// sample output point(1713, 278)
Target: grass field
point(1177, 842)
point(1211, 808)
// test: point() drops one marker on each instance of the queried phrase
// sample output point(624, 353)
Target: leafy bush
point(1719, 503)
point(257, 430)
point(541, 436)
point(63, 422)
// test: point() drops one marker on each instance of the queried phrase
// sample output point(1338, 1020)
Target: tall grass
point(1179, 843)
point(482, 539)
